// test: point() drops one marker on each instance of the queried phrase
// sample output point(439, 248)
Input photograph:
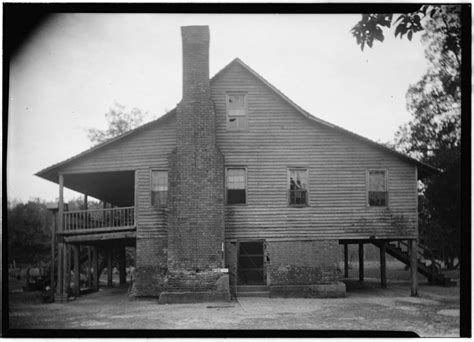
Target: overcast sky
point(76, 66)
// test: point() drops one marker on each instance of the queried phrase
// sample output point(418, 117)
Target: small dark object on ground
point(48, 296)
point(219, 306)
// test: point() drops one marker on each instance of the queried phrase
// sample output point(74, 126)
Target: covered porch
point(95, 236)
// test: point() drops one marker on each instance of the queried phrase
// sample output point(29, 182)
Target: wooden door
point(251, 269)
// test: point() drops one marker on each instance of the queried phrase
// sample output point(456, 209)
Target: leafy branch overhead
point(370, 27)
point(119, 121)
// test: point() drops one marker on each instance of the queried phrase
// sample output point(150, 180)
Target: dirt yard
point(367, 307)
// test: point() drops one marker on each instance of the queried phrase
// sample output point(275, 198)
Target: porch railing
point(98, 218)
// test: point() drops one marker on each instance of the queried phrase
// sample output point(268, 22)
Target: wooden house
point(237, 189)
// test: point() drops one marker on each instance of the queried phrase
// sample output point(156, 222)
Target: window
point(378, 196)
point(236, 112)
point(159, 188)
point(298, 187)
point(236, 185)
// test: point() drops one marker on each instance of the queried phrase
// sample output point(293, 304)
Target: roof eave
point(43, 173)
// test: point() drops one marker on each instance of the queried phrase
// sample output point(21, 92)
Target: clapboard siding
point(143, 151)
point(279, 137)
point(147, 148)
point(151, 221)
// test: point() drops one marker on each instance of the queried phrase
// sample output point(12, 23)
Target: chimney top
point(195, 33)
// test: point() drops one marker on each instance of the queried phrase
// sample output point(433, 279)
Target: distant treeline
point(29, 230)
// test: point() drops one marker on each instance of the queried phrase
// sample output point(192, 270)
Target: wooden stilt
point(77, 275)
point(109, 267)
point(135, 256)
point(361, 262)
point(67, 270)
point(383, 265)
point(122, 265)
point(346, 261)
point(60, 292)
point(53, 250)
point(89, 267)
point(59, 288)
point(412, 250)
point(95, 269)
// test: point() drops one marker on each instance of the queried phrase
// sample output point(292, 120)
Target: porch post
point(412, 250)
point(60, 290)
point(346, 261)
point(109, 254)
point(122, 265)
point(66, 270)
point(53, 250)
point(77, 275)
point(361, 262)
point(95, 269)
point(383, 270)
point(89, 267)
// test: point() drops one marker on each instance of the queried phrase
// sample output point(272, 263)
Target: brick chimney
point(196, 189)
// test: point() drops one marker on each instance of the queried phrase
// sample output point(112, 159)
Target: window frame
point(367, 184)
point(151, 188)
point(288, 171)
point(246, 185)
point(227, 127)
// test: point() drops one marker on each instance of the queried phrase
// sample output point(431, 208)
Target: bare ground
point(367, 307)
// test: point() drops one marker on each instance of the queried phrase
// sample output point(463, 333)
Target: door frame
point(264, 267)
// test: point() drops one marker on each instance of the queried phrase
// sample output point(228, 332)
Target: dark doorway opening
point(251, 263)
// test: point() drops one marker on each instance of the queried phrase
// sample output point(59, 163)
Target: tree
point(434, 133)
point(120, 120)
point(371, 26)
point(29, 232)
point(78, 204)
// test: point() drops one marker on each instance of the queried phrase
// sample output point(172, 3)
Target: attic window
point(159, 188)
point(236, 105)
point(378, 195)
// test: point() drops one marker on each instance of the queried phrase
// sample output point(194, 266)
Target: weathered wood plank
point(97, 230)
point(92, 238)
point(383, 265)
point(412, 251)
point(361, 262)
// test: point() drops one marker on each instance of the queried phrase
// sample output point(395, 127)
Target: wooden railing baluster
point(99, 218)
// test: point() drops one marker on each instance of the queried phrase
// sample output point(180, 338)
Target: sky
point(76, 66)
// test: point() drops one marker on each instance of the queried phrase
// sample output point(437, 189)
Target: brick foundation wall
point(294, 262)
point(303, 262)
point(151, 266)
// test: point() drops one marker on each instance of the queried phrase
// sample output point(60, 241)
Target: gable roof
point(424, 170)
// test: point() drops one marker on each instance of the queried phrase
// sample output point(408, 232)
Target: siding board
point(278, 137)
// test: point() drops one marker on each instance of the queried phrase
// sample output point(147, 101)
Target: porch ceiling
point(117, 188)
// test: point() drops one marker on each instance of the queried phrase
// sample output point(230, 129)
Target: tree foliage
point(372, 25)
point(119, 120)
point(29, 231)
point(433, 135)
